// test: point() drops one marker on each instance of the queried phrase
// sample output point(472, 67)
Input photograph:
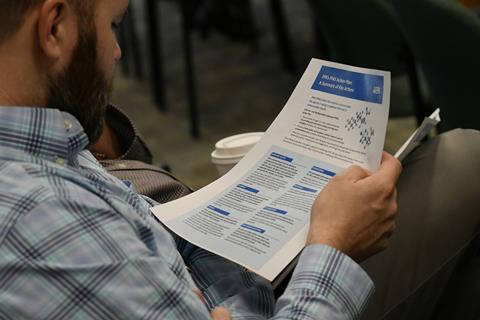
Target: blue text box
point(218, 210)
point(281, 157)
point(324, 171)
point(354, 85)
point(253, 228)
point(246, 188)
point(271, 209)
point(303, 188)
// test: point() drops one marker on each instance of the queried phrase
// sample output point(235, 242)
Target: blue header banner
point(324, 171)
point(218, 210)
point(349, 84)
point(299, 187)
point(246, 188)
point(253, 228)
point(281, 157)
point(271, 209)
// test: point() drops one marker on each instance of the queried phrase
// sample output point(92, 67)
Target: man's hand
point(220, 313)
point(355, 212)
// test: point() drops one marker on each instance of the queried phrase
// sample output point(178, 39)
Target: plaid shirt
point(77, 243)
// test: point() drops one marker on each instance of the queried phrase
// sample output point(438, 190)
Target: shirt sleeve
point(326, 284)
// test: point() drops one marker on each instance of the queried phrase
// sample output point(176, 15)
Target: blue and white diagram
point(359, 121)
point(366, 136)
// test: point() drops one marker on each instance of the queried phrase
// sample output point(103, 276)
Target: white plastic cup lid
point(236, 146)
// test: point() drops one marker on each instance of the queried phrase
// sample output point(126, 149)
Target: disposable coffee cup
point(229, 151)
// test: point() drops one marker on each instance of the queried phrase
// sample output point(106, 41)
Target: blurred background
point(196, 71)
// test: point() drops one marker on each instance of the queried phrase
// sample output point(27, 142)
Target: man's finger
point(389, 171)
point(220, 314)
point(353, 173)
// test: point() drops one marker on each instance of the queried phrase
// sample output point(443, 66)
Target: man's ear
point(56, 30)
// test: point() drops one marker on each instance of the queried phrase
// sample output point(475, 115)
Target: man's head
point(68, 48)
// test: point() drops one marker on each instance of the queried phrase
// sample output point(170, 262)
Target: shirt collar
point(42, 132)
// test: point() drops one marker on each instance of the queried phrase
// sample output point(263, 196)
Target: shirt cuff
point(328, 272)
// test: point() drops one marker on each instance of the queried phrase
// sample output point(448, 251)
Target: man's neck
point(108, 146)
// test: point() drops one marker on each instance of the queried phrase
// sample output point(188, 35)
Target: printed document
point(418, 135)
point(258, 214)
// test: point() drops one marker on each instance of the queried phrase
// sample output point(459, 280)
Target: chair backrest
point(445, 39)
point(360, 32)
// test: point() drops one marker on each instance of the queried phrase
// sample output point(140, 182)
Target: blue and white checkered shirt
point(77, 243)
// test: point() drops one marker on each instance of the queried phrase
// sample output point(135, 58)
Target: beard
point(82, 89)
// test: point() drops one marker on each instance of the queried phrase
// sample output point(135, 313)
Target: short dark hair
point(13, 13)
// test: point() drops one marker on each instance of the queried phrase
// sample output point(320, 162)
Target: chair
point(445, 38)
point(188, 11)
point(129, 42)
point(364, 33)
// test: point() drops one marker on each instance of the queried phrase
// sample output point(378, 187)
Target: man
point(75, 242)
point(450, 278)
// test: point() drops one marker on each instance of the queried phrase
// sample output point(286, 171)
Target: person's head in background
point(60, 54)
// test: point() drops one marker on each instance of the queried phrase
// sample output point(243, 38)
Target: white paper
point(258, 214)
point(418, 135)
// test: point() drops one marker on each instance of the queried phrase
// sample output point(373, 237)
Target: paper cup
point(229, 151)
